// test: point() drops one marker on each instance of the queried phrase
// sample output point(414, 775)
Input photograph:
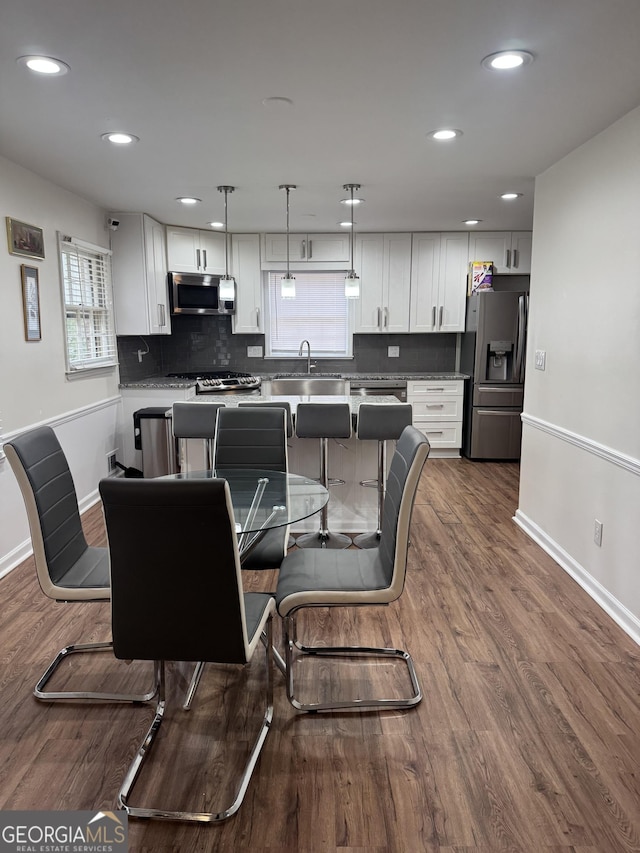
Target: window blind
point(88, 305)
point(319, 313)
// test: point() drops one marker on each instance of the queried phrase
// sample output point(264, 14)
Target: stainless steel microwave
point(198, 293)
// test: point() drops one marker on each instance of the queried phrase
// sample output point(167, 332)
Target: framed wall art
point(23, 239)
point(31, 303)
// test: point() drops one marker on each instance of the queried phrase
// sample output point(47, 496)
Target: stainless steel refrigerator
point(492, 353)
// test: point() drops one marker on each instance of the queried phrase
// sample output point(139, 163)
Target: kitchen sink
point(308, 385)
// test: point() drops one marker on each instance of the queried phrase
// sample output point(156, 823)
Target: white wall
point(33, 386)
point(581, 437)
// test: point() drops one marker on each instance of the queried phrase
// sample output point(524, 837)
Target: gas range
point(221, 381)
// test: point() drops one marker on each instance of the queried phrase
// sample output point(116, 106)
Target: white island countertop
point(354, 401)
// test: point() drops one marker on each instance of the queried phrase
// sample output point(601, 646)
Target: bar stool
point(380, 423)
point(323, 421)
point(195, 420)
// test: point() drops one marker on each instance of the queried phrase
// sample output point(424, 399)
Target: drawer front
point(496, 395)
point(442, 434)
point(439, 408)
point(431, 387)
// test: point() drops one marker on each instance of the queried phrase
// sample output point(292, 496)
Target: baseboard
point(618, 612)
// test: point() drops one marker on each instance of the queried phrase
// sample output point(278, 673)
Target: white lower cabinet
point(437, 412)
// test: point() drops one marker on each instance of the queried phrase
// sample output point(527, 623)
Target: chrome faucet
point(308, 354)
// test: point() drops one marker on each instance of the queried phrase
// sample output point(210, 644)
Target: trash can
point(153, 435)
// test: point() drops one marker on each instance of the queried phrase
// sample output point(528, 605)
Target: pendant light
point(351, 281)
point(227, 287)
point(288, 281)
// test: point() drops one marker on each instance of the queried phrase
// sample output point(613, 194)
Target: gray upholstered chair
point(287, 407)
point(67, 568)
point(324, 421)
point(375, 576)
point(191, 420)
point(174, 600)
point(381, 424)
point(255, 437)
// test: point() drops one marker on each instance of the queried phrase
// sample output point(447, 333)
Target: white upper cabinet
point(383, 262)
point(245, 267)
point(509, 251)
point(439, 281)
point(139, 272)
point(331, 250)
point(192, 250)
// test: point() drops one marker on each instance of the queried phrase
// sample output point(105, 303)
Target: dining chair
point(173, 599)
point(255, 437)
point(67, 568)
point(354, 578)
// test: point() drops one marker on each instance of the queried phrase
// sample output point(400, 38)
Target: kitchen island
point(352, 507)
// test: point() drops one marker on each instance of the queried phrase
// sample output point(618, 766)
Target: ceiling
point(368, 80)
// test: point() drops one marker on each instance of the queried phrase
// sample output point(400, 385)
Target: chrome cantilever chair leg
point(294, 650)
point(201, 817)
point(40, 693)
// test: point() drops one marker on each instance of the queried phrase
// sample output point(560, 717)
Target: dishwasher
point(379, 387)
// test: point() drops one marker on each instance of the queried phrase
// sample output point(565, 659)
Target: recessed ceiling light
point(188, 199)
point(505, 60)
point(351, 201)
point(216, 224)
point(510, 196)
point(346, 224)
point(472, 221)
point(277, 103)
point(445, 133)
point(44, 65)
point(119, 138)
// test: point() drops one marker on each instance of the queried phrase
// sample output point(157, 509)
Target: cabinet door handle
point(508, 259)
point(434, 405)
point(303, 248)
point(310, 249)
point(386, 318)
point(433, 317)
point(434, 432)
point(379, 320)
point(440, 317)
point(198, 258)
point(161, 315)
point(515, 259)
point(204, 259)
point(258, 317)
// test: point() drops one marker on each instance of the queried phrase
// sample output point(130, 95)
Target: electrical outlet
point(541, 359)
point(254, 352)
point(111, 462)
point(597, 533)
point(393, 352)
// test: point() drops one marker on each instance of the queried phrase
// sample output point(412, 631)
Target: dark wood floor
point(527, 739)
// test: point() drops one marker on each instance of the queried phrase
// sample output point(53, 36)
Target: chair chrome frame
point(294, 650)
point(79, 648)
point(133, 774)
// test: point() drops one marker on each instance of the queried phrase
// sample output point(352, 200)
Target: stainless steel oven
point(379, 387)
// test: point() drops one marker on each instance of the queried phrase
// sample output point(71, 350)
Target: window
point(320, 313)
point(88, 308)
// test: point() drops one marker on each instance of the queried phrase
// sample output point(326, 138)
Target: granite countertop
point(172, 382)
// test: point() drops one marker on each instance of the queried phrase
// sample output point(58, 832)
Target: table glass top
point(264, 499)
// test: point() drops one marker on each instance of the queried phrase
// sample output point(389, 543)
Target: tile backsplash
point(206, 343)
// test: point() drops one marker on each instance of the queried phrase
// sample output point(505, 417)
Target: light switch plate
point(393, 352)
point(541, 359)
point(254, 352)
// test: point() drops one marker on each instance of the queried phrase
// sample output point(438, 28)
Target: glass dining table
point(264, 499)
